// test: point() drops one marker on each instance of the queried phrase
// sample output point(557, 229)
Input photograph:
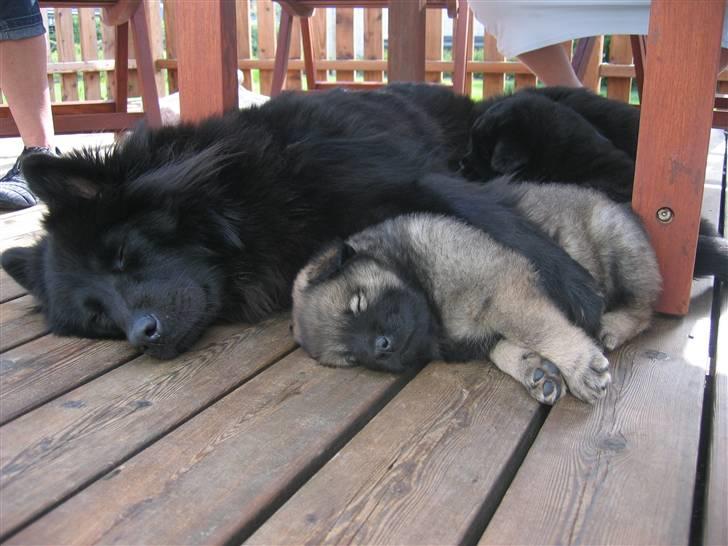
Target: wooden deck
point(245, 439)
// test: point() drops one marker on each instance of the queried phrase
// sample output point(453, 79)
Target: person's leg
point(24, 82)
point(552, 65)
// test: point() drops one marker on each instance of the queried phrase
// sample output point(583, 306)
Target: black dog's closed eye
point(119, 262)
point(94, 308)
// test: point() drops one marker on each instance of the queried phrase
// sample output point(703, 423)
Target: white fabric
point(524, 25)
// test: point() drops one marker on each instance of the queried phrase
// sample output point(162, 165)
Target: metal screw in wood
point(665, 215)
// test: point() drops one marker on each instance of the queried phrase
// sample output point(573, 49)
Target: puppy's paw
point(591, 377)
point(543, 379)
point(610, 340)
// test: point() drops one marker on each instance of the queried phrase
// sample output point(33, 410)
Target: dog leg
point(541, 377)
point(537, 324)
point(622, 324)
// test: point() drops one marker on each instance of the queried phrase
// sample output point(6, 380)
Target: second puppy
point(423, 287)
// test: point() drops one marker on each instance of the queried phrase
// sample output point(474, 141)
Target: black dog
point(569, 135)
point(177, 227)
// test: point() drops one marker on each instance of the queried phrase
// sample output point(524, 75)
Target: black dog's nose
point(382, 346)
point(145, 329)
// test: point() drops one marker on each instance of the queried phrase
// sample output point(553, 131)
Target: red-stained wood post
point(206, 57)
point(683, 47)
point(406, 55)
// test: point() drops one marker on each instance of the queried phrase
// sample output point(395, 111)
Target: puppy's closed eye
point(358, 303)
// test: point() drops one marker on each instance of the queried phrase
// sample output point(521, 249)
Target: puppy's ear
point(60, 180)
point(25, 266)
point(330, 261)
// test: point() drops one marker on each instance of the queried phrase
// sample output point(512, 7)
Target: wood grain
point(13, 224)
point(26, 239)
point(433, 44)
point(170, 41)
point(235, 459)
point(673, 139)
point(622, 471)
point(716, 529)
point(55, 450)
point(9, 289)
point(318, 39)
point(242, 13)
point(469, 48)
point(373, 41)
point(50, 366)
point(406, 54)
point(66, 52)
point(620, 52)
point(20, 322)
point(344, 41)
point(425, 470)
point(591, 72)
point(146, 73)
point(208, 83)
point(524, 80)
point(153, 12)
point(492, 83)
point(89, 51)
point(266, 41)
point(293, 79)
point(108, 41)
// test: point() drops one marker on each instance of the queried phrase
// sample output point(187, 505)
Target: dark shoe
point(14, 191)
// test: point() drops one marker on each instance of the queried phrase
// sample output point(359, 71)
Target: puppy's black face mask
point(393, 333)
point(356, 311)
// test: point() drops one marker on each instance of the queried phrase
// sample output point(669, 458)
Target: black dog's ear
point(24, 265)
point(509, 156)
point(330, 261)
point(60, 180)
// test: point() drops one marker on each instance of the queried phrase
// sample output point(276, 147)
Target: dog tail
point(712, 253)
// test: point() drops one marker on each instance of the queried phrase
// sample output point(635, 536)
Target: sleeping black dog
point(175, 228)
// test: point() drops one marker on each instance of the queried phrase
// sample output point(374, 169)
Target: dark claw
point(538, 374)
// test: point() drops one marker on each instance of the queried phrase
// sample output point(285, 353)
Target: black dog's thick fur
point(180, 226)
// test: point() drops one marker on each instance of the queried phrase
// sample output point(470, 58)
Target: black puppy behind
point(177, 227)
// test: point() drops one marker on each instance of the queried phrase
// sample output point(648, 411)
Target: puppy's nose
point(383, 346)
point(144, 330)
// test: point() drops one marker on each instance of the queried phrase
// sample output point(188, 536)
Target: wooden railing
point(82, 68)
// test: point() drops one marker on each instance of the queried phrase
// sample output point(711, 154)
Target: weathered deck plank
point(21, 222)
point(103, 446)
point(632, 456)
point(50, 366)
point(9, 289)
point(426, 470)
point(26, 239)
point(53, 451)
point(19, 323)
point(219, 472)
point(19, 228)
point(716, 524)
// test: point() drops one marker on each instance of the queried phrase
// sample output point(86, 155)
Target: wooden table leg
point(676, 116)
point(145, 67)
point(406, 56)
point(206, 57)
